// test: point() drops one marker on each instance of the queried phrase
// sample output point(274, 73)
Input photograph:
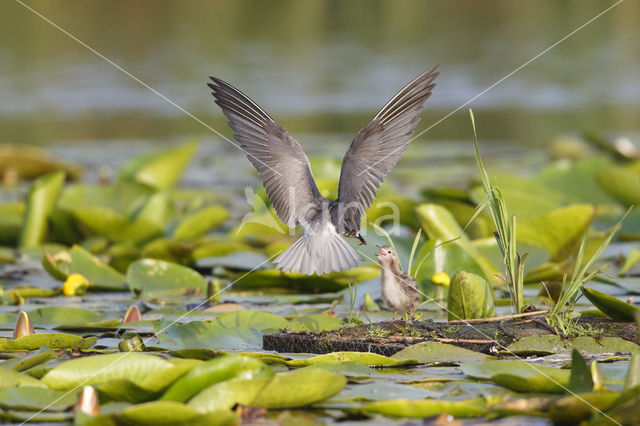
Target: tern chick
point(399, 289)
point(284, 170)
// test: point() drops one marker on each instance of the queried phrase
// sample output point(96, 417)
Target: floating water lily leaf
point(238, 260)
point(438, 352)
point(299, 388)
point(200, 222)
point(52, 340)
point(316, 322)
point(516, 374)
point(277, 279)
point(470, 296)
point(40, 202)
point(79, 261)
point(51, 316)
point(622, 182)
point(427, 408)
point(559, 231)
point(524, 197)
point(577, 181)
point(159, 170)
point(123, 197)
point(580, 380)
point(215, 371)
point(152, 386)
point(116, 226)
point(29, 361)
point(254, 320)
point(30, 162)
point(210, 248)
point(632, 259)
point(154, 278)
point(174, 413)
point(550, 344)
point(439, 225)
point(577, 408)
point(36, 398)
point(201, 334)
point(365, 358)
point(11, 218)
point(133, 366)
point(11, 379)
point(224, 395)
point(614, 308)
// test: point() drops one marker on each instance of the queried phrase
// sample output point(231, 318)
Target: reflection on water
point(320, 67)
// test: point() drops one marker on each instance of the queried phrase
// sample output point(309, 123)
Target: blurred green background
point(321, 68)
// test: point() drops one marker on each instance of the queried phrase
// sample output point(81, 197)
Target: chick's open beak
point(382, 252)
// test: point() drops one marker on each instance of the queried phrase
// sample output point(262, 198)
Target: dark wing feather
point(281, 163)
point(378, 147)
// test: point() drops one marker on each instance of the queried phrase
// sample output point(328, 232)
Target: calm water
point(321, 68)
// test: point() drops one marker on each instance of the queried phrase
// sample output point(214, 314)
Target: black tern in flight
point(284, 170)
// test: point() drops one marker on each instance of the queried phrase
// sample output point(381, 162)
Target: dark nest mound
point(387, 338)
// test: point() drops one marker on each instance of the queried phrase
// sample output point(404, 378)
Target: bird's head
point(387, 255)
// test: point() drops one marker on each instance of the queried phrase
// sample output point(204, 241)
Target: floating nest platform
point(387, 338)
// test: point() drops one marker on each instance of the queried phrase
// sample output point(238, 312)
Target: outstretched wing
point(281, 163)
point(378, 147)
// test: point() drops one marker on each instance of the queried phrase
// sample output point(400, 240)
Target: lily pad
point(42, 197)
point(201, 334)
point(316, 322)
point(13, 379)
point(154, 278)
point(159, 170)
point(612, 307)
point(425, 352)
point(79, 261)
point(215, 371)
point(200, 222)
point(364, 358)
point(52, 340)
point(133, 366)
point(559, 231)
point(427, 408)
point(470, 296)
point(174, 413)
point(520, 376)
point(36, 398)
point(622, 182)
point(439, 224)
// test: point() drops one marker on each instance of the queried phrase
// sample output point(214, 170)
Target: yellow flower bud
point(75, 284)
point(441, 278)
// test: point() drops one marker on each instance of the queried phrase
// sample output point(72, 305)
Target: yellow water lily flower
point(441, 278)
point(74, 285)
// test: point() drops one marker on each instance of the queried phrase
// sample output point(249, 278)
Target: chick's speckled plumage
point(399, 289)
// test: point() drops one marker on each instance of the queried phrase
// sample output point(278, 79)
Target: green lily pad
point(520, 376)
point(631, 259)
point(364, 358)
point(13, 379)
point(201, 334)
point(122, 197)
point(116, 226)
point(299, 388)
point(614, 308)
point(200, 222)
point(53, 340)
point(262, 279)
point(215, 371)
point(470, 296)
point(133, 366)
point(28, 361)
point(254, 320)
point(225, 395)
point(425, 352)
point(577, 408)
point(427, 408)
point(580, 380)
point(36, 398)
point(550, 344)
point(11, 218)
point(159, 170)
point(174, 413)
point(154, 278)
point(622, 182)
point(316, 322)
point(40, 202)
point(559, 231)
point(438, 224)
point(79, 261)
point(51, 316)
